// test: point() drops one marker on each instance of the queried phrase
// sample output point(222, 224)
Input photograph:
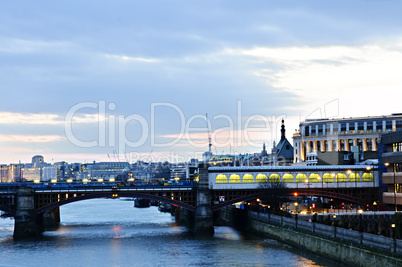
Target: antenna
point(209, 135)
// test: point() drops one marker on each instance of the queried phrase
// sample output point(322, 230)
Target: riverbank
point(324, 246)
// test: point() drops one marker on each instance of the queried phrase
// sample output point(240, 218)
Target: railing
point(369, 240)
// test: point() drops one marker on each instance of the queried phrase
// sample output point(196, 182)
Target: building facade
point(358, 135)
point(392, 179)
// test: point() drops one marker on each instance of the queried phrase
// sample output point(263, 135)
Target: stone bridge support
point(203, 216)
point(51, 219)
point(26, 223)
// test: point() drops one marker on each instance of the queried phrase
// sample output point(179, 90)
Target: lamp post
point(360, 220)
point(296, 217)
point(393, 236)
point(308, 192)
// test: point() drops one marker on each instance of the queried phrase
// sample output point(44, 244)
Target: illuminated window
point(261, 178)
point(234, 178)
point(248, 178)
point(354, 177)
point(314, 178)
point(274, 178)
point(368, 177)
point(328, 178)
point(301, 178)
point(341, 177)
point(288, 178)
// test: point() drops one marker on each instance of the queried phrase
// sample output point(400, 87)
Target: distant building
point(10, 173)
point(335, 136)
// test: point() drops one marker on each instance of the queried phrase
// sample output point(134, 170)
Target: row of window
point(300, 178)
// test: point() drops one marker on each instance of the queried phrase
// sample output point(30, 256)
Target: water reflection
point(107, 232)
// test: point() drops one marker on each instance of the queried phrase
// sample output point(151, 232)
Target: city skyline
point(157, 63)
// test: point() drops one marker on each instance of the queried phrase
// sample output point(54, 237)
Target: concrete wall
point(347, 254)
point(369, 240)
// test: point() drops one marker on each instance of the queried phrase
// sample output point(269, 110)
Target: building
point(282, 153)
point(358, 135)
point(392, 160)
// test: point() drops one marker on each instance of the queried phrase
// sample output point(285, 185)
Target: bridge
point(35, 207)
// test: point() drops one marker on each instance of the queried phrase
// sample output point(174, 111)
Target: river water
point(111, 232)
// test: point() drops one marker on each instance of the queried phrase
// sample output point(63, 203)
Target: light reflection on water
point(107, 232)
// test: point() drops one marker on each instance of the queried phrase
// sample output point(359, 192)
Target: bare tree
point(274, 194)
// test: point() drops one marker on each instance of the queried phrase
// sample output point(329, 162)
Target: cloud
point(31, 138)
point(128, 59)
point(46, 118)
point(356, 75)
point(22, 46)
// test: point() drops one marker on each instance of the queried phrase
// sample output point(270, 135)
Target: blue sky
point(269, 59)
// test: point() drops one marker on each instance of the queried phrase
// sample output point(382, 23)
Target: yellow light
point(393, 225)
point(386, 164)
point(360, 211)
point(53, 181)
point(69, 180)
point(111, 180)
point(85, 180)
point(349, 171)
point(296, 204)
point(131, 180)
point(100, 180)
point(177, 179)
point(368, 168)
point(258, 200)
point(36, 181)
point(306, 181)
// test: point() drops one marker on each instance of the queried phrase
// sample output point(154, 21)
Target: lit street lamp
point(394, 235)
point(360, 220)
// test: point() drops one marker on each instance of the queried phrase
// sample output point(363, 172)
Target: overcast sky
point(81, 80)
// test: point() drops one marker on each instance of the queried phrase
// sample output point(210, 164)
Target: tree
point(274, 194)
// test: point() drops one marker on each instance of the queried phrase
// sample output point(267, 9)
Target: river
point(111, 232)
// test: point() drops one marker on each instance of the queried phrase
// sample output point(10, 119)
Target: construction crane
point(209, 135)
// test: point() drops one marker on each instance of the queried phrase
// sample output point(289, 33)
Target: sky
point(85, 81)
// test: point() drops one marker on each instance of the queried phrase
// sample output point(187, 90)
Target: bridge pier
point(27, 223)
point(51, 219)
point(203, 215)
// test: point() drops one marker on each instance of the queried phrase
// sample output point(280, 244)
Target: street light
point(308, 192)
point(360, 220)
point(394, 235)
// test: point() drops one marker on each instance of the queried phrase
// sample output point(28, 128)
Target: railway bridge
point(36, 206)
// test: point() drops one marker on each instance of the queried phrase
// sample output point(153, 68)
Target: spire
point(283, 130)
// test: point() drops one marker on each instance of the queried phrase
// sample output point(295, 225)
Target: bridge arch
point(317, 193)
point(113, 195)
point(7, 209)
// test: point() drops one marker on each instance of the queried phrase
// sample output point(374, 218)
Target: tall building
point(392, 179)
point(357, 135)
